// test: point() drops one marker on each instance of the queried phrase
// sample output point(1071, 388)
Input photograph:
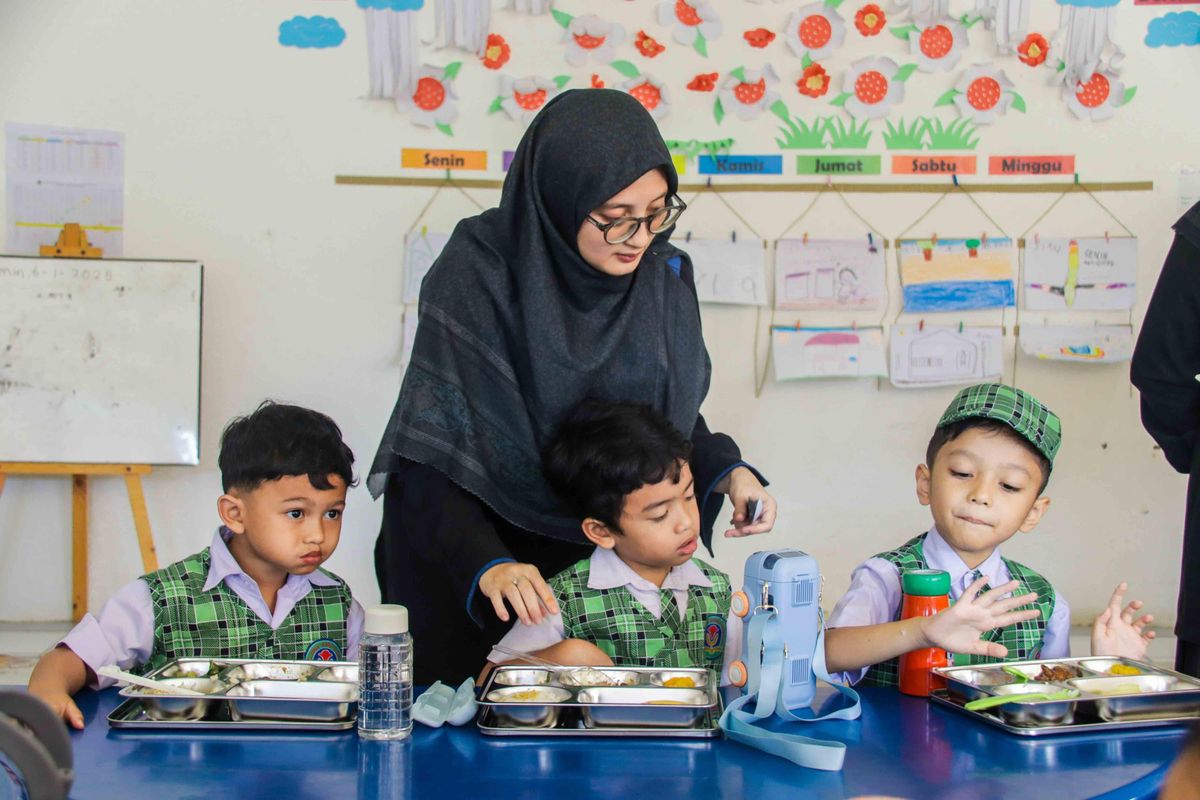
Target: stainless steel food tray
point(132, 715)
point(989, 717)
point(707, 728)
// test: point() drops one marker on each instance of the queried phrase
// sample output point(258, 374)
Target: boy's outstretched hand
point(958, 628)
point(1121, 632)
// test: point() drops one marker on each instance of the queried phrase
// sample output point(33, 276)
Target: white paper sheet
point(61, 175)
point(1086, 344)
point(728, 271)
point(420, 251)
point(942, 355)
point(1084, 273)
point(829, 274)
point(827, 353)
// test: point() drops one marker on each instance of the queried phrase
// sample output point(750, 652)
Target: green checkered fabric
point(618, 624)
point(1022, 412)
point(192, 623)
point(1024, 639)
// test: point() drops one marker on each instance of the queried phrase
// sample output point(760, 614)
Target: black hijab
point(516, 328)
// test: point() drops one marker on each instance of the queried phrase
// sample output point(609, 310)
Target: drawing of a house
point(832, 353)
point(942, 355)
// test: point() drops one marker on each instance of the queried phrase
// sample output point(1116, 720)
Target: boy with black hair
point(641, 599)
point(985, 471)
point(258, 590)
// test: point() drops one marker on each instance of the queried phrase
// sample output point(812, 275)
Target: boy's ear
point(923, 482)
point(598, 533)
point(232, 510)
point(1035, 514)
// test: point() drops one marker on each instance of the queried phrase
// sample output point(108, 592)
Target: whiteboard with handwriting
point(100, 360)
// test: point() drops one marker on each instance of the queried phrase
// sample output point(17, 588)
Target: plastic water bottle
point(385, 674)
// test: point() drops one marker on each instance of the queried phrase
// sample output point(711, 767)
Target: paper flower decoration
point(597, 82)
point(1033, 50)
point(1099, 97)
point(496, 52)
point(748, 93)
point(982, 93)
point(814, 82)
point(433, 103)
point(647, 45)
point(872, 86)
point(815, 31)
point(693, 24)
point(939, 46)
point(651, 93)
point(524, 97)
point(589, 37)
point(704, 82)
point(759, 37)
point(870, 20)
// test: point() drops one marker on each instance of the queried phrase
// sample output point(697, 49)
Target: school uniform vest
point(1024, 640)
point(190, 622)
point(616, 622)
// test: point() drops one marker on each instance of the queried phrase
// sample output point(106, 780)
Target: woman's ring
point(516, 581)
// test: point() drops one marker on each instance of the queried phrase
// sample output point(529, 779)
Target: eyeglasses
point(625, 228)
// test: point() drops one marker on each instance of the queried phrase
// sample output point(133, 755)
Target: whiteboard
point(100, 360)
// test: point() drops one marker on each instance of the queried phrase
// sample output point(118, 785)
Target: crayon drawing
point(1092, 274)
point(827, 353)
point(956, 274)
point(935, 355)
point(421, 249)
point(728, 271)
point(1084, 344)
point(829, 273)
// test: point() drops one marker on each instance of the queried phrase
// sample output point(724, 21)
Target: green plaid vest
point(618, 624)
point(1023, 639)
point(192, 623)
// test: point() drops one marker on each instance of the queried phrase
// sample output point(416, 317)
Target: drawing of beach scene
point(956, 274)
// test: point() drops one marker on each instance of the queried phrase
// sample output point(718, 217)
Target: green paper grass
point(958, 135)
point(843, 138)
point(799, 135)
point(901, 137)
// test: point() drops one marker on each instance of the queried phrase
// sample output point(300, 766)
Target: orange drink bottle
point(926, 592)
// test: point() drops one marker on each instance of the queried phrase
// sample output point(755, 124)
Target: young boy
point(640, 600)
point(985, 470)
point(257, 591)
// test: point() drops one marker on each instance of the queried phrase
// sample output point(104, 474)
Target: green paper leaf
point(1018, 102)
point(561, 80)
point(739, 73)
point(904, 72)
point(718, 111)
point(561, 18)
point(780, 109)
point(625, 68)
point(1129, 93)
point(903, 31)
point(806, 62)
point(832, 3)
point(967, 22)
point(1061, 66)
point(701, 44)
point(840, 100)
point(948, 98)
point(496, 105)
point(446, 129)
point(452, 70)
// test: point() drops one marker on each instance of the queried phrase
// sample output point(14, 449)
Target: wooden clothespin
point(934, 239)
point(828, 181)
point(424, 231)
point(687, 237)
point(854, 325)
point(960, 326)
point(797, 324)
point(733, 236)
point(72, 243)
point(1106, 237)
point(921, 325)
point(805, 239)
point(871, 243)
point(983, 238)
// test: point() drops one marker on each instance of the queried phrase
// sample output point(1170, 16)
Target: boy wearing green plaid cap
point(985, 471)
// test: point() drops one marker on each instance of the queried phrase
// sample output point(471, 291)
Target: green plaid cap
point(1022, 412)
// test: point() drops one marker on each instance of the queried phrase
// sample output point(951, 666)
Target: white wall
point(233, 143)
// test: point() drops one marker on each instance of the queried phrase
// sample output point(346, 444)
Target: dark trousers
point(1187, 657)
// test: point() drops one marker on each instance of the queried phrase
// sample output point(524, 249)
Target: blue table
point(902, 746)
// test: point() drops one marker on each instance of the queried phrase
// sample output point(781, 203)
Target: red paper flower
point(647, 45)
point(497, 52)
point(597, 82)
point(814, 82)
point(704, 82)
point(1033, 50)
point(759, 37)
point(870, 19)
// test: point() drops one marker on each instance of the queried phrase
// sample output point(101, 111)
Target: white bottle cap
point(386, 620)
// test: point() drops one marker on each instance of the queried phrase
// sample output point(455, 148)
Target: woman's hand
point(1117, 632)
point(743, 489)
point(524, 589)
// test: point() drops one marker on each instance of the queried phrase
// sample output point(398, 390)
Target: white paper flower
point(524, 97)
point(590, 37)
point(433, 102)
point(871, 88)
point(651, 93)
point(938, 46)
point(815, 31)
point(983, 92)
point(748, 93)
point(1097, 98)
point(691, 23)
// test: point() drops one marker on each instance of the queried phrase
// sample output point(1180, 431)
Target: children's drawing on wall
point(393, 52)
point(1085, 344)
point(956, 274)
point(421, 248)
point(410, 338)
point(842, 274)
point(728, 271)
point(937, 355)
point(1083, 273)
point(806, 353)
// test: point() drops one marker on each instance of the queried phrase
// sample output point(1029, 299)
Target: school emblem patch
point(323, 650)
point(714, 637)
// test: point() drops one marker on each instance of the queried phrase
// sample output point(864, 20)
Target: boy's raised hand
point(1121, 632)
point(958, 628)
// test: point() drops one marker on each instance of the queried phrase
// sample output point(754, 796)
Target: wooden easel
point(73, 243)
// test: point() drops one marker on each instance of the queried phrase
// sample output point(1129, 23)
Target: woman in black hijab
point(555, 296)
